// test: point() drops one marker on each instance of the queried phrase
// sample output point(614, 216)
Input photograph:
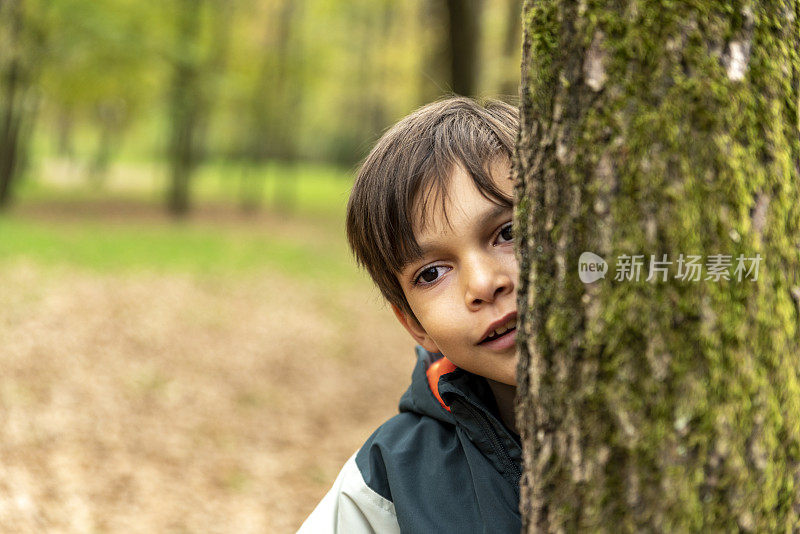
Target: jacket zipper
point(486, 426)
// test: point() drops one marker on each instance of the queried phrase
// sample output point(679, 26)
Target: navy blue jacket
point(430, 469)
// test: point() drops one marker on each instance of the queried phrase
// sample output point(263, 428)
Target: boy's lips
point(503, 342)
point(499, 322)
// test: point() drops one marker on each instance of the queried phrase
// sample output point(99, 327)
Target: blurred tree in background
point(196, 64)
point(464, 24)
point(95, 86)
point(21, 43)
point(95, 75)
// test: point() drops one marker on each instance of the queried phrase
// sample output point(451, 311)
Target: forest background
point(187, 345)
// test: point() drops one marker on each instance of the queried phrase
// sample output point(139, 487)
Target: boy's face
point(466, 281)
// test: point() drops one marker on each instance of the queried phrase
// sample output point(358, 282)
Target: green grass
point(316, 190)
point(197, 249)
point(55, 225)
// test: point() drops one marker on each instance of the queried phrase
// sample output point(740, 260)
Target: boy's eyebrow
point(484, 218)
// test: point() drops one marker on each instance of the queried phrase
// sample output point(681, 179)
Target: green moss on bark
point(660, 128)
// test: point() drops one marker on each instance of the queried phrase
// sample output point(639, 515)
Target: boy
point(429, 217)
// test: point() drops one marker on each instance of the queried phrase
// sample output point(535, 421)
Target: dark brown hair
point(413, 160)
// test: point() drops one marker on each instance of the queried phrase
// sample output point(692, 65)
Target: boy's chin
point(503, 379)
point(512, 383)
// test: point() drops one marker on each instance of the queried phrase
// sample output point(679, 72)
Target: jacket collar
point(467, 402)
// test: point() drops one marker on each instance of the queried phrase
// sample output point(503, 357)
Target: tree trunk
point(185, 108)
point(270, 129)
point(464, 25)
point(109, 118)
point(65, 126)
point(288, 94)
point(435, 54)
point(509, 86)
point(12, 104)
point(193, 90)
point(668, 405)
point(10, 127)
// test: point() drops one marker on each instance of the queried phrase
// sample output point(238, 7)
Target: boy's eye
point(429, 275)
point(507, 232)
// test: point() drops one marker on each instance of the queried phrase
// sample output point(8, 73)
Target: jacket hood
point(435, 388)
point(467, 403)
point(419, 398)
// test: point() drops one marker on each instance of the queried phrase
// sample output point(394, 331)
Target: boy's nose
point(486, 280)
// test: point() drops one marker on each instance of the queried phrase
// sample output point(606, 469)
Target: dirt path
point(167, 403)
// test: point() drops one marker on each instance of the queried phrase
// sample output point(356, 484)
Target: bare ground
point(171, 403)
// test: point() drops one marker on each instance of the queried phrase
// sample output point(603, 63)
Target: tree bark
point(668, 405)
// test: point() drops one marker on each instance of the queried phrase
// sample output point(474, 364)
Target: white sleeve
point(351, 507)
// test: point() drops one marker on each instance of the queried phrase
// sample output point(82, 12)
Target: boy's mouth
point(500, 328)
point(498, 336)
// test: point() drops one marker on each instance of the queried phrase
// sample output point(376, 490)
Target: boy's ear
point(415, 329)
